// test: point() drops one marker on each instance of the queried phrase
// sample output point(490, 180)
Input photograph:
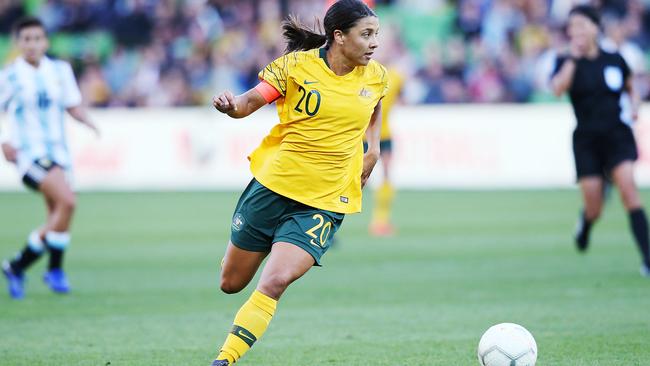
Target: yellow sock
point(383, 204)
point(250, 323)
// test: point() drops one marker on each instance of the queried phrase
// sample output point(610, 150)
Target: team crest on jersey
point(45, 162)
point(365, 93)
point(613, 77)
point(237, 222)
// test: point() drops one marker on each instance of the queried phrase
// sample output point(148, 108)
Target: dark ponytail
point(300, 37)
point(342, 15)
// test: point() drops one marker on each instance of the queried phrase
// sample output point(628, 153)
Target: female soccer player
point(605, 104)
point(36, 90)
point(309, 171)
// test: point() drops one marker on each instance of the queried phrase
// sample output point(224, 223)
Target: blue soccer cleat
point(57, 281)
point(220, 363)
point(16, 282)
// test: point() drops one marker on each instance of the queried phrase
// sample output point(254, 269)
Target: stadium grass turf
point(144, 270)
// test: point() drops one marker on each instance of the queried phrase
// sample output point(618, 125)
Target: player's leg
point(238, 268)
point(251, 231)
point(589, 163)
point(286, 264)
point(380, 224)
point(301, 238)
point(34, 247)
point(255, 220)
point(591, 188)
point(57, 237)
point(623, 176)
point(14, 270)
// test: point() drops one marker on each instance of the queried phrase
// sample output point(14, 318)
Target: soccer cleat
point(15, 281)
point(220, 363)
point(57, 281)
point(381, 229)
point(582, 234)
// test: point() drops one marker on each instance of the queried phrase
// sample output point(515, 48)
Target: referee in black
point(601, 93)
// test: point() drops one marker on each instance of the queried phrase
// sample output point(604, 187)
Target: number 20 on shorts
point(325, 230)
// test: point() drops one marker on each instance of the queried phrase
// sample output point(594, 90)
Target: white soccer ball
point(507, 344)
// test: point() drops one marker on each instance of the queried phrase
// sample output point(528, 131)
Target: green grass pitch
point(144, 269)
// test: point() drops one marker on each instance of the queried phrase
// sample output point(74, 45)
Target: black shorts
point(596, 153)
point(37, 172)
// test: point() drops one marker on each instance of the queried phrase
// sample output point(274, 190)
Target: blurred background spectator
point(138, 53)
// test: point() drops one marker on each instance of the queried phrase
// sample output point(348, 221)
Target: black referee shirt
point(598, 91)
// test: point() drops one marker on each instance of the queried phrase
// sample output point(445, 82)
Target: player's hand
point(94, 128)
point(369, 162)
point(9, 152)
point(225, 102)
point(577, 48)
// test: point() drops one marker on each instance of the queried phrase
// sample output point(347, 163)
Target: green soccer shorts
point(263, 217)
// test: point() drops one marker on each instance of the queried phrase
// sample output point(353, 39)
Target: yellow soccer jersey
point(396, 81)
point(314, 155)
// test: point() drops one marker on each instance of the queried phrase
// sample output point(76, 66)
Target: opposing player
point(605, 104)
point(309, 171)
point(36, 90)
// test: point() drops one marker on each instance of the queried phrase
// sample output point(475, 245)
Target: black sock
point(24, 259)
point(587, 223)
point(639, 224)
point(583, 235)
point(56, 258)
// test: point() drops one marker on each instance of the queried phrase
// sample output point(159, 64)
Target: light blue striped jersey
point(35, 99)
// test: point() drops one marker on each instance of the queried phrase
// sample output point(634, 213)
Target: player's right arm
point(561, 81)
point(6, 93)
point(239, 106)
point(9, 152)
point(273, 80)
point(563, 76)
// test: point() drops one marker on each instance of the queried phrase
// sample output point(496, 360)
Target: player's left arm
point(81, 114)
point(628, 76)
point(373, 133)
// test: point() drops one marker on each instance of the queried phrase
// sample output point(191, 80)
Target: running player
point(36, 90)
point(605, 104)
point(309, 171)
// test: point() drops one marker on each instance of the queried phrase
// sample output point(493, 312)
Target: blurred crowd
point(180, 52)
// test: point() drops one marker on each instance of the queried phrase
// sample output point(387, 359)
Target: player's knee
point(229, 286)
point(631, 201)
point(275, 284)
point(630, 196)
point(68, 203)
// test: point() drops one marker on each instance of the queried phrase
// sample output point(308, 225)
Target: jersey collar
point(21, 60)
point(322, 53)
